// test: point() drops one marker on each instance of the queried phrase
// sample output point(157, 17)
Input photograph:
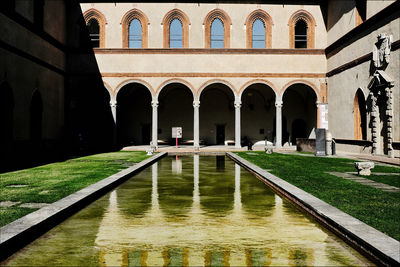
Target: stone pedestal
point(364, 167)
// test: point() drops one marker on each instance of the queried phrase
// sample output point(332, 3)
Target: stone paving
point(362, 180)
point(34, 205)
point(5, 204)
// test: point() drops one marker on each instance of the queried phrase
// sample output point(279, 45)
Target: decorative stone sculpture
point(268, 150)
point(381, 51)
point(150, 151)
point(380, 88)
point(364, 167)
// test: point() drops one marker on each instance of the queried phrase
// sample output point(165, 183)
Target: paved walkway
point(362, 180)
point(369, 157)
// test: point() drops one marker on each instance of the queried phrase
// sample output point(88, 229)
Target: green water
point(189, 211)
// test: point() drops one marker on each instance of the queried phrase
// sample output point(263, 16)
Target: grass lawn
point(375, 207)
point(49, 183)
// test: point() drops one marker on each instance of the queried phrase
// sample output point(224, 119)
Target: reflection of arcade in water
point(213, 213)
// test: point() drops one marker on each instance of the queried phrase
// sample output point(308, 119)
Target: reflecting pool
point(189, 210)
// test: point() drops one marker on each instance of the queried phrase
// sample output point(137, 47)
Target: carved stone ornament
point(381, 50)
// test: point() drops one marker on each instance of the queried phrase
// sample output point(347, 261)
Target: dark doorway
point(36, 110)
point(299, 130)
point(133, 114)
point(6, 115)
point(220, 134)
point(146, 133)
point(360, 116)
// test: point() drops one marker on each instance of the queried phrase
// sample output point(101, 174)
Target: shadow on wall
point(28, 136)
point(88, 113)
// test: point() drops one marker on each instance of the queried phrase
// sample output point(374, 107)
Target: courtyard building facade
point(96, 74)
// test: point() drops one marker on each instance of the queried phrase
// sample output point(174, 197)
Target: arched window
point(95, 22)
point(258, 29)
point(135, 34)
point(175, 34)
point(258, 34)
point(176, 29)
point(301, 30)
point(361, 11)
point(217, 34)
point(134, 29)
point(94, 32)
point(300, 34)
point(360, 116)
point(217, 26)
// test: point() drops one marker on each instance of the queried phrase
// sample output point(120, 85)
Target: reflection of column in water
point(237, 197)
point(177, 166)
point(196, 193)
point(113, 200)
point(278, 205)
point(154, 189)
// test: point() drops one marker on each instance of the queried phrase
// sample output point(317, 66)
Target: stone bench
point(364, 167)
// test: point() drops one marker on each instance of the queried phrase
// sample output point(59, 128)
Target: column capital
point(238, 103)
point(196, 103)
point(154, 103)
point(278, 103)
point(113, 104)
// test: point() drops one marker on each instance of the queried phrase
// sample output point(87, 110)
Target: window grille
point(175, 34)
point(94, 32)
point(135, 34)
point(300, 34)
point(258, 34)
point(217, 34)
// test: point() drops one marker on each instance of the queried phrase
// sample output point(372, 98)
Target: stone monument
point(380, 88)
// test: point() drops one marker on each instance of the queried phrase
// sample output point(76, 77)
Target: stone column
point(113, 105)
point(389, 121)
point(278, 105)
point(375, 124)
point(238, 104)
point(154, 139)
point(196, 134)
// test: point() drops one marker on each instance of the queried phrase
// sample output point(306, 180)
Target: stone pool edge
point(374, 244)
point(22, 231)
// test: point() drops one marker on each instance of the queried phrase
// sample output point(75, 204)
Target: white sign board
point(323, 115)
point(176, 132)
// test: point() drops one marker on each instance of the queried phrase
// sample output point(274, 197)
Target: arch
point(258, 117)
point(133, 114)
point(226, 21)
point(122, 84)
point(175, 80)
point(268, 23)
point(101, 19)
point(360, 116)
point(36, 116)
point(166, 22)
point(109, 90)
point(261, 81)
point(6, 116)
point(206, 84)
point(125, 22)
point(309, 20)
point(299, 104)
point(310, 84)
